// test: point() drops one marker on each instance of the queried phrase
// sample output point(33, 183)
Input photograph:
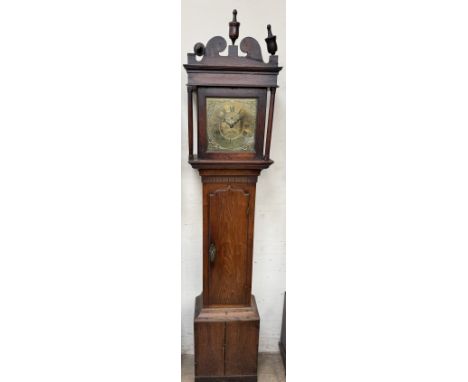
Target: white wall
point(201, 20)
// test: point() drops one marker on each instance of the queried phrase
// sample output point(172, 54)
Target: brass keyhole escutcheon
point(212, 252)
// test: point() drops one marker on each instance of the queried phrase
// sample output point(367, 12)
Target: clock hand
point(234, 124)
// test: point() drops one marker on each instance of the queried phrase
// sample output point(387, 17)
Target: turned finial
point(199, 49)
point(234, 27)
point(271, 41)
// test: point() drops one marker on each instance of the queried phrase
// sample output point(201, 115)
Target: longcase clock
point(233, 130)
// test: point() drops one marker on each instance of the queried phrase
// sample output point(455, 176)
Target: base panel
point(226, 343)
point(238, 378)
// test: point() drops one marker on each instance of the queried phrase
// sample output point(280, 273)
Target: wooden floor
point(270, 368)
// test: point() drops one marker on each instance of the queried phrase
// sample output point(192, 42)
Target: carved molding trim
point(229, 179)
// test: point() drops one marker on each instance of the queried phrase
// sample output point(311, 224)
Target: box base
point(226, 343)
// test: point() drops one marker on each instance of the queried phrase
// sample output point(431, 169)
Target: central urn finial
point(234, 27)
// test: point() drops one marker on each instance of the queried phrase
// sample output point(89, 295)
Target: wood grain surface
point(226, 342)
point(209, 348)
point(228, 232)
point(228, 224)
point(241, 347)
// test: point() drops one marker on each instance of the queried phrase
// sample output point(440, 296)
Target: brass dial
point(231, 124)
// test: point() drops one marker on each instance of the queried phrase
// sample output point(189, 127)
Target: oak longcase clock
point(234, 129)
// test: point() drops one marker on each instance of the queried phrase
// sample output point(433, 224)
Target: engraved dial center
point(231, 124)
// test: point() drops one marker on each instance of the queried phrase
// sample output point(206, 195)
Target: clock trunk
point(229, 205)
